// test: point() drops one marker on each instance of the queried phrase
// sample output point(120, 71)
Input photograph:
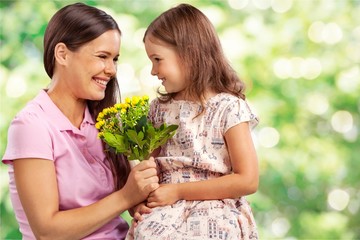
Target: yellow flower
point(118, 106)
point(134, 101)
point(100, 134)
point(100, 116)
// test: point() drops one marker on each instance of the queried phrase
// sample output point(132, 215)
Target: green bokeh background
point(300, 60)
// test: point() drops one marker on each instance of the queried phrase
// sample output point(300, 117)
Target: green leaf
point(116, 141)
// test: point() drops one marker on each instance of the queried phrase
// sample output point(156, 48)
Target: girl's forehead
point(150, 39)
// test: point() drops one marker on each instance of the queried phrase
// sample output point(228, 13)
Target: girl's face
point(166, 65)
point(92, 66)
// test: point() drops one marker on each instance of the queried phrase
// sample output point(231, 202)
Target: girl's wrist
point(179, 192)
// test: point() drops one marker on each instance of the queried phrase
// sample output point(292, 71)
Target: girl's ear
point(60, 53)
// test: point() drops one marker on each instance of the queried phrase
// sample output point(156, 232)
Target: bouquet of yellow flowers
point(125, 128)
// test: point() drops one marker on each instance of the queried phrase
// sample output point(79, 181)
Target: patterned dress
point(198, 152)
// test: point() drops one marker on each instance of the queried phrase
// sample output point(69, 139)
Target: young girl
point(208, 167)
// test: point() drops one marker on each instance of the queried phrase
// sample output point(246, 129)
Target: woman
point(63, 184)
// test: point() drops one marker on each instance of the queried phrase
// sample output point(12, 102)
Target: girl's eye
point(157, 59)
point(116, 59)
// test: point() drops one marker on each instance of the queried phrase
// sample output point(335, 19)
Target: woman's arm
point(243, 181)
point(38, 192)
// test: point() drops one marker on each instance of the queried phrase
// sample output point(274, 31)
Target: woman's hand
point(138, 211)
point(142, 180)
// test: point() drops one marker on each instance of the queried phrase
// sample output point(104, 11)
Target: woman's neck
point(72, 108)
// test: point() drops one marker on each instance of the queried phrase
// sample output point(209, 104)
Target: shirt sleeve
point(237, 112)
point(28, 137)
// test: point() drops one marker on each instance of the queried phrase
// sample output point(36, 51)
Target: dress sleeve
point(28, 137)
point(152, 109)
point(237, 112)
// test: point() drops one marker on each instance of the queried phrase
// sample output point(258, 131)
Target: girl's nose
point(153, 71)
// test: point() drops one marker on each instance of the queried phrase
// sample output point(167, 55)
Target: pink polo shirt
point(41, 130)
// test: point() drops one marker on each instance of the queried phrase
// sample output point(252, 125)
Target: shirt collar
point(56, 116)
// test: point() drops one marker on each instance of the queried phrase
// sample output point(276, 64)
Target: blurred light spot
point(268, 137)
point(238, 4)
point(281, 6)
point(317, 103)
point(296, 63)
point(342, 121)
point(311, 68)
point(294, 193)
point(147, 79)
point(282, 68)
point(297, 67)
point(262, 4)
point(128, 23)
point(353, 51)
point(356, 33)
point(354, 206)
point(16, 85)
point(338, 199)
point(352, 135)
point(215, 14)
point(280, 226)
point(126, 70)
point(233, 43)
point(349, 81)
point(254, 25)
point(138, 38)
point(331, 33)
point(315, 32)
point(311, 192)
point(126, 76)
point(3, 74)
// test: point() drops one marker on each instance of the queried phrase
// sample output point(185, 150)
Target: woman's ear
point(60, 53)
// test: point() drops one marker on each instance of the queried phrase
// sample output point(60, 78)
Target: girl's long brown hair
point(190, 32)
point(75, 25)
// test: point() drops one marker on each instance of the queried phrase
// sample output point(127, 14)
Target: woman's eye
point(116, 59)
point(103, 56)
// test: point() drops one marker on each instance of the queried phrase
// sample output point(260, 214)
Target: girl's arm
point(38, 192)
point(243, 181)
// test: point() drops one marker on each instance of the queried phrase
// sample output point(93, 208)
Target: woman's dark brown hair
point(75, 25)
point(190, 32)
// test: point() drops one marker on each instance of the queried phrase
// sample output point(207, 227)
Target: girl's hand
point(166, 194)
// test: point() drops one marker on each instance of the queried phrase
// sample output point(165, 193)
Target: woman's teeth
point(102, 82)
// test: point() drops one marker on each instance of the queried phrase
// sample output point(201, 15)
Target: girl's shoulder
point(224, 99)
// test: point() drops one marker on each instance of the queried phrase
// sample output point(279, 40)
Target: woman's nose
point(111, 68)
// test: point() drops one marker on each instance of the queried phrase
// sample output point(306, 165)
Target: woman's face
point(91, 67)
